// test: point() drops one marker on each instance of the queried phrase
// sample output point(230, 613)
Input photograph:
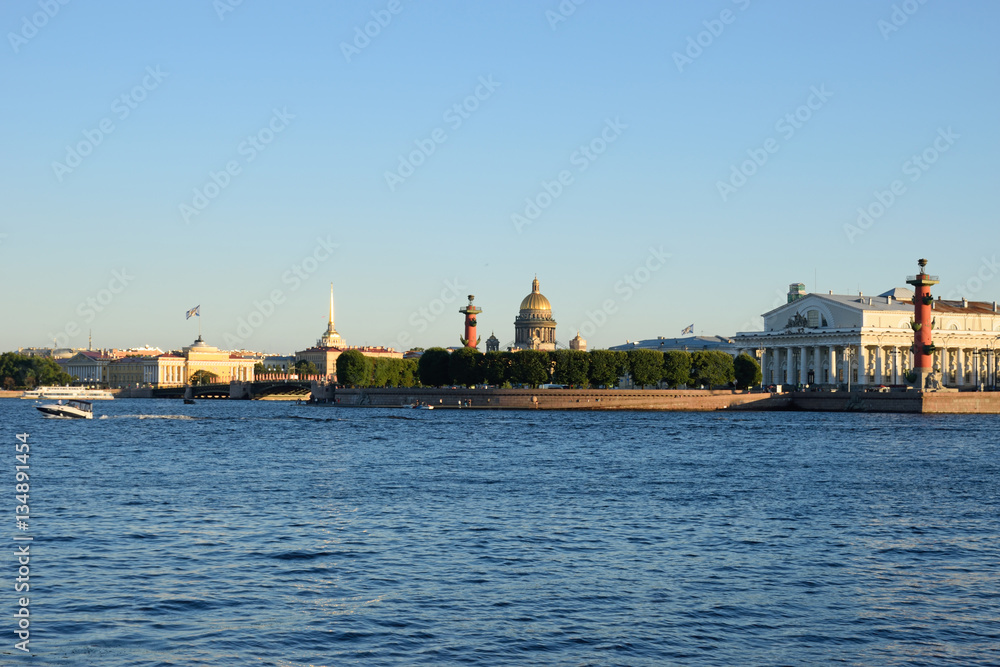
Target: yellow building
point(128, 371)
point(223, 366)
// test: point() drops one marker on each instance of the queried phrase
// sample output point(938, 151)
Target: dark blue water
point(253, 533)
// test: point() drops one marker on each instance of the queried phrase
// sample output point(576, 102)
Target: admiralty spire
point(331, 338)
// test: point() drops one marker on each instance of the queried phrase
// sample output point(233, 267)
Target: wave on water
point(183, 417)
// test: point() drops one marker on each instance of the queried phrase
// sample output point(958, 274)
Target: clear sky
point(656, 164)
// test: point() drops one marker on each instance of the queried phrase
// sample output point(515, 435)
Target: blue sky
point(729, 147)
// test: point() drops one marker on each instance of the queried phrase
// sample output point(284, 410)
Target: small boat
point(421, 406)
point(71, 410)
point(188, 401)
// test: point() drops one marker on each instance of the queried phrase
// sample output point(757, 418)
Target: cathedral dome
point(535, 300)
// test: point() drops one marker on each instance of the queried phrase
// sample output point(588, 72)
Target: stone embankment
point(658, 399)
point(540, 399)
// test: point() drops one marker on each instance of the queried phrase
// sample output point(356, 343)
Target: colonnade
point(877, 364)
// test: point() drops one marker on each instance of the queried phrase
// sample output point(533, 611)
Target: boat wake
point(179, 417)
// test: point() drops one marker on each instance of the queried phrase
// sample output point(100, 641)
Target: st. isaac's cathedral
point(534, 326)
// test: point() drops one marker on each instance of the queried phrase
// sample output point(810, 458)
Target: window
point(813, 318)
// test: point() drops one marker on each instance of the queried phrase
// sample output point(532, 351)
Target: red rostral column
point(923, 347)
point(470, 311)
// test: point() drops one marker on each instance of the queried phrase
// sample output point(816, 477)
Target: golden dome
point(535, 300)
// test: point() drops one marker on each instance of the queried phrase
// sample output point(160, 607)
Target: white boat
point(421, 406)
point(69, 394)
point(71, 410)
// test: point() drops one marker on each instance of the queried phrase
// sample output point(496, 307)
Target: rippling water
point(255, 533)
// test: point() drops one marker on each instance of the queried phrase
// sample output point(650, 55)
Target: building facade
point(832, 340)
point(89, 367)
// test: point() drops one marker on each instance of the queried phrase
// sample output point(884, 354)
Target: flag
point(688, 330)
point(194, 311)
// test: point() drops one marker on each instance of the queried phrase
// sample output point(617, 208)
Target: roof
point(686, 343)
point(966, 307)
point(536, 300)
point(92, 354)
point(900, 298)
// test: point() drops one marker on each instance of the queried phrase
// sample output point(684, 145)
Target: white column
point(803, 365)
point(862, 365)
point(818, 365)
point(879, 364)
point(960, 367)
point(833, 365)
point(895, 365)
point(790, 366)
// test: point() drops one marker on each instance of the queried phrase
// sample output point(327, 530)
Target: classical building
point(88, 366)
point(492, 343)
point(128, 371)
point(166, 370)
point(834, 339)
point(331, 345)
point(534, 328)
point(224, 366)
point(578, 343)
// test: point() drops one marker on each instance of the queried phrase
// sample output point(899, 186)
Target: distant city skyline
point(654, 165)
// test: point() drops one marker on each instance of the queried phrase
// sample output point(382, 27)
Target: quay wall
point(971, 402)
point(541, 399)
point(905, 402)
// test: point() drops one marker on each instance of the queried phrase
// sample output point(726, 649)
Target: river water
point(257, 533)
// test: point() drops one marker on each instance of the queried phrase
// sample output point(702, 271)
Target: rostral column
point(923, 346)
point(470, 311)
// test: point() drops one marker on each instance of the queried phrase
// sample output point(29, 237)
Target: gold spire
point(534, 285)
point(330, 337)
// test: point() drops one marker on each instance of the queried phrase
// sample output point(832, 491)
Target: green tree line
point(596, 368)
point(18, 371)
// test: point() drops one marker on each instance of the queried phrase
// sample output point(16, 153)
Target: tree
point(385, 372)
point(465, 366)
point(645, 366)
point(303, 367)
point(354, 369)
point(747, 371)
point(258, 368)
point(711, 367)
point(676, 368)
point(408, 373)
point(497, 367)
point(571, 367)
point(19, 370)
point(606, 367)
point(202, 377)
point(531, 367)
point(433, 367)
